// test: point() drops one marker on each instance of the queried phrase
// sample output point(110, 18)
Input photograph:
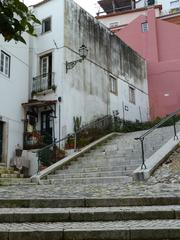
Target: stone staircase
point(8, 176)
point(112, 162)
point(90, 219)
point(63, 210)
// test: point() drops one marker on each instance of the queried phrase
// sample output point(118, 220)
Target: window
point(46, 71)
point(132, 95)
point(5, 64)
point(46, 25)
point(113, 85)
point(144, 27)
point(151, 2)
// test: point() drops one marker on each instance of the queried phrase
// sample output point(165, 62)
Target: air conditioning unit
point(114, 24)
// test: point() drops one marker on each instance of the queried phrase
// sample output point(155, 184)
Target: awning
point(39, 103)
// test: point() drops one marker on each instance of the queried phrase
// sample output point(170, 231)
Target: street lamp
point(83, 52)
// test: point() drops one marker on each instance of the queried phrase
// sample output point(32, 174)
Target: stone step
point(15, 181)
point(89, 180)
point(100, 164)
point(90, 174)
point(96, 169)
point(55, 202)
point(119, 230)
point(106, 160)
point(22, 215)
point(11, 175)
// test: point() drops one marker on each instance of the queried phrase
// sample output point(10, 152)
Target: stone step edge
point(70, 176)
point(89, 202)
point(155, 231)
point(32, 215)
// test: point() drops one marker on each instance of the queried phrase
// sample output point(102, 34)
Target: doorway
point(47, 126)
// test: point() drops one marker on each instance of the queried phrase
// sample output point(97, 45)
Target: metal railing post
point(75, 141)
point(174, 126)
point(143, 158)
point(38, 170)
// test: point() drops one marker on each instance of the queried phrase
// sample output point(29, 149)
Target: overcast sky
point(90, 6)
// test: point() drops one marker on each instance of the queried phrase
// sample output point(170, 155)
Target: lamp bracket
point(70, 65)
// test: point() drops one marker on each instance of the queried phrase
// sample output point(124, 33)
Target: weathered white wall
point(86, 86)
point(13, 92)
point(53, 42)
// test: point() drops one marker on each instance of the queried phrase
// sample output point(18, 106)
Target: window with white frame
point(144, 27)
point(113, 85)
point(132, 97)
point(5, 64)
point(46, 25)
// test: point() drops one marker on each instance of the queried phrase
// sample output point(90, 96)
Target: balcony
point(43, 83)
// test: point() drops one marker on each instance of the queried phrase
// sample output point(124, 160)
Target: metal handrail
point(85, 127)
point(164, 120)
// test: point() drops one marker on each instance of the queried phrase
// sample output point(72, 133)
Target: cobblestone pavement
point(93, 190)
point(165, 182)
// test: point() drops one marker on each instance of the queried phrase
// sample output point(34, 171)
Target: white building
point(14, 85)
point(167, 5)
point(112, 77)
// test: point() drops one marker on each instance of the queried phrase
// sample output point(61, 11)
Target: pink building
point(158, 41)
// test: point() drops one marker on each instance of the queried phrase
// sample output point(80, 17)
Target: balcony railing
point(43, 82)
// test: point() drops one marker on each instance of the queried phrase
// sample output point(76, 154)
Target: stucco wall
point(13, 92)
point(85, 88)
point(87, 84)
point(160, 47)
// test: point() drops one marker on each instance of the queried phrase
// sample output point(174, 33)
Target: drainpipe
point(113, 6)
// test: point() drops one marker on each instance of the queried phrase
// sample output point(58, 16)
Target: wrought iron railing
point(163, 121)
point(43, 82)
point(88, 133)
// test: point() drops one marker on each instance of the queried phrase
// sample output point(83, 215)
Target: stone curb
point(156, 160)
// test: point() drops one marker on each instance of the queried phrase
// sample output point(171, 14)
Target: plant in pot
point(70, 142)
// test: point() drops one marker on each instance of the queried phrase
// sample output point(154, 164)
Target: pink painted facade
point(160, 46)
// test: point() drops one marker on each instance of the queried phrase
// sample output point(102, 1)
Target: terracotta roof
point(129, 11)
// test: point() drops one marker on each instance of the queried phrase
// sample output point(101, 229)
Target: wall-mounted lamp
point(83, 52)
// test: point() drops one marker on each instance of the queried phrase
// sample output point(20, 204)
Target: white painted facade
point(13, 92)
point(85, 89)
point(167, 5)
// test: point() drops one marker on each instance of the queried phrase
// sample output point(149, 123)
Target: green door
point(1, 140)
